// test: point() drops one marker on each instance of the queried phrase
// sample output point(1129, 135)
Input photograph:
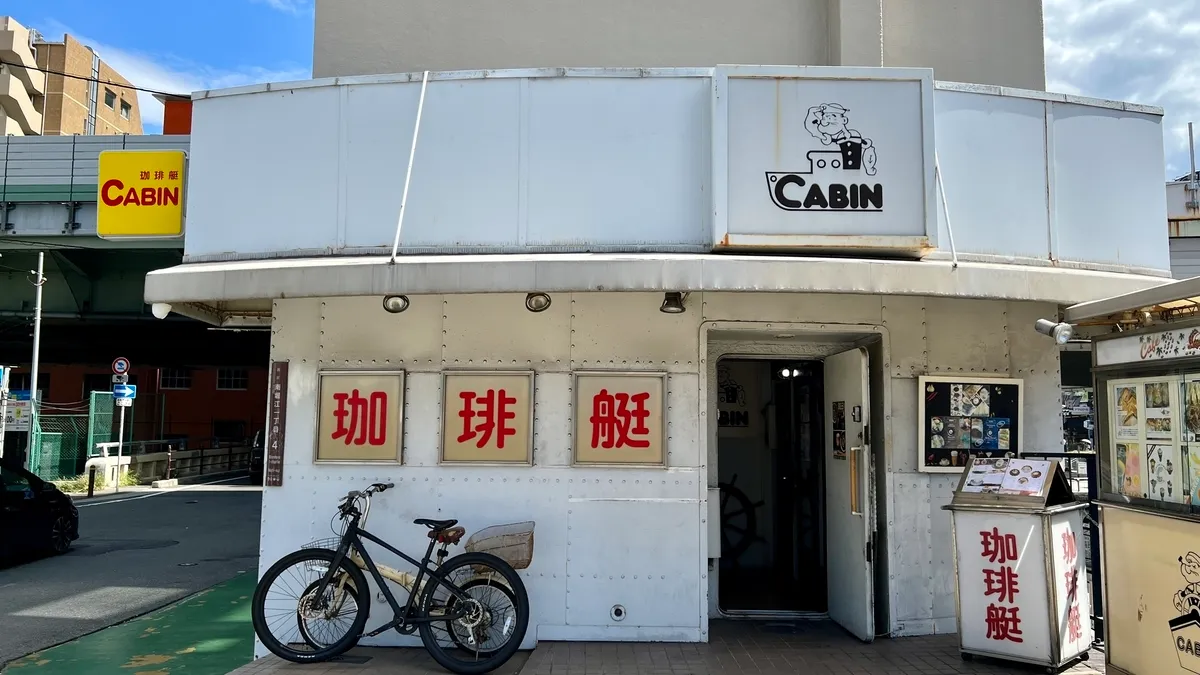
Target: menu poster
point(1129, 469)
point(1007, 476)
point(1165, 470)
point(1193, 469)
point(966, 417)
point(1158, 410)
point(1126, 411)
point(1191, 410)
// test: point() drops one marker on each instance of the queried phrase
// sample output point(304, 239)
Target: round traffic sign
point(120, 365)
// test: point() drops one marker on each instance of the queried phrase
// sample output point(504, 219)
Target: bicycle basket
point(330, 544)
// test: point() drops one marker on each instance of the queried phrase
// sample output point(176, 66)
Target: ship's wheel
point(739, 522)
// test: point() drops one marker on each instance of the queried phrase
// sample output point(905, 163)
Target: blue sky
point(183, 45)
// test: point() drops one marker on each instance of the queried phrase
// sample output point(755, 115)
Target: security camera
point(1061, 332)
point(160, 310)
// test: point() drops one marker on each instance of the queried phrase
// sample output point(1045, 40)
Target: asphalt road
point(134, 554)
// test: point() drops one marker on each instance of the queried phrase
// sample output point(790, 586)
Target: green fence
point(61, 444)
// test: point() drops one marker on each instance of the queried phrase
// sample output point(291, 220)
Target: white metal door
point(848, 507)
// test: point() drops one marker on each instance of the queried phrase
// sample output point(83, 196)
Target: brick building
point(84, 106)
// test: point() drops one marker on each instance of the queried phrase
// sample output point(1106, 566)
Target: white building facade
point(919, 229)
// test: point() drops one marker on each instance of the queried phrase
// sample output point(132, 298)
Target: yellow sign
point(1152, 592)
point(488, 417)
point(619, 418)
point(140, 194)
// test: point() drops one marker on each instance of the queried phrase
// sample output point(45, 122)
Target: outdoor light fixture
point(395, 303)
point(1061, 332)
point(672, 303)
point(537, 302)
point(160, 310)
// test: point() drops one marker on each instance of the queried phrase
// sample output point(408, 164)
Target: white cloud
point(289, 6)
point(1143, 51)
point(170, 73)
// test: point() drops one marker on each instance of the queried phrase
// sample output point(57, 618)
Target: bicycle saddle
point(436, 525)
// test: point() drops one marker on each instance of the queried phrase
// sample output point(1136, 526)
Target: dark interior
point(771, 474)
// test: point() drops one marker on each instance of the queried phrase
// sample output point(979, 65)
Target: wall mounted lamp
point(395, 303)
point(537, 302)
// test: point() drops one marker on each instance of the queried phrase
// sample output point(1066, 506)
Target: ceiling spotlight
point(1061, 332)
point(537, 302)
point(395, 303)
point(672, 303)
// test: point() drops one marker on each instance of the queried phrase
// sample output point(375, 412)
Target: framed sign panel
point(360, 415)
point(966, 415)
point(620, 419)
point(487, 417)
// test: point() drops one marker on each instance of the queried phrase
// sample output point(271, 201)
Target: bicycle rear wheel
point(497, 614)
point(286, 592)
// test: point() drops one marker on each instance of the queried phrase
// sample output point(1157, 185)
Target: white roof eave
point(217, 282)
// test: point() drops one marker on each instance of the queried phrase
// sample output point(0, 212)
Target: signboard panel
point(619, 418)
point(487, 417)
point(361, 416)
point(812, 157)
point(276, 425)
point(18, 412)
point(1177, 343)
point(140, 194)
point(964, 416)
point(1152, 592)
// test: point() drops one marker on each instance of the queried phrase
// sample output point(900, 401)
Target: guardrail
point(164, 459)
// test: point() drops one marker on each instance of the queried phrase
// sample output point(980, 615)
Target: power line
point(91, 79)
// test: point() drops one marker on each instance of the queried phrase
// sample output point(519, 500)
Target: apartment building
point(22, 86)
point(89, 99)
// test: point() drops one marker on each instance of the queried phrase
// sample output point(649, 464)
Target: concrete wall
point(981, 41)
point(576, 508)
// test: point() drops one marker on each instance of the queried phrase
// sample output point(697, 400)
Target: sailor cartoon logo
point(1185, 630)
point(838, 178)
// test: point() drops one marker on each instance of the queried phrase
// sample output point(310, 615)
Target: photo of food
point(1165, 483)
point(1191, 409)
point(1158, 395)
point(1126, 412)
point(965, 425)
point(970, 400)
point(935, 425)
point(1158, 427)
point(1129, 469)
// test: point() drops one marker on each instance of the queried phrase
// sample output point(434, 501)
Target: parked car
point(36, 516)
point(256, 459)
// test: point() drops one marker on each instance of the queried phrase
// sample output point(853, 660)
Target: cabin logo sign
point(841, 178)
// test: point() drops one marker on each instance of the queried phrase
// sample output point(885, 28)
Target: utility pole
point(37, 344)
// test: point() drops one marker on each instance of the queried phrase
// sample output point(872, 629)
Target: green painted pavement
point(209, 633)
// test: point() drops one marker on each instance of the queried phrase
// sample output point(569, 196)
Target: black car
point(36, 517)
point(256, 459)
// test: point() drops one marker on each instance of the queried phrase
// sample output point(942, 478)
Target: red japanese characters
point(494, 415)
point(487, 417)
point(619, 420)
point(1070, 550)
point(1003, 616)
point(361, 419)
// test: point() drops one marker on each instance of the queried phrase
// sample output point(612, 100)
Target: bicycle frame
point(352, 547)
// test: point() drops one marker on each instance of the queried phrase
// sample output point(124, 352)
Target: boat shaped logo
point(835, 180)
point(1185, 630)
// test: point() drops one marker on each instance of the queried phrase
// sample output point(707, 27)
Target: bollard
point(91, 480)
point(170, 461)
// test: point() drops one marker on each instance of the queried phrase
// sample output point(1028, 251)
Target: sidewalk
point(818, 648)
point(206, 633)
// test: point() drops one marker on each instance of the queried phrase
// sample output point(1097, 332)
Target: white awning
point(219, 287)
point(1176, 297)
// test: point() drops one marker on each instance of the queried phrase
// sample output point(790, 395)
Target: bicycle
point(341, 584)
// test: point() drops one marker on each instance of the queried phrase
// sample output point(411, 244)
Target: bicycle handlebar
point(348, 501)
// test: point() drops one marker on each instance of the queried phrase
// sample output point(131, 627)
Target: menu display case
point(1147, 392)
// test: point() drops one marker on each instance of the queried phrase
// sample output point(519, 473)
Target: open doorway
point(771, 473)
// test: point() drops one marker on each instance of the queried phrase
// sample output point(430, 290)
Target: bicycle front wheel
point(494, 614)
point(286, 607)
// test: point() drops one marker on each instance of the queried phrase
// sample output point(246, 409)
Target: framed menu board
point(965, 415)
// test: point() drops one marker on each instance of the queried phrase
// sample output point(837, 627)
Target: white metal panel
point(762, 124)
point(1108, 189)
point(992, 155)
point(1185, 257)
point(607, 566)
point(1036, 359)
point(263, 172)
point(617, 162)
point(941, 491)
point(648, 338)
point(422, 418)
point(1177, 202)
point(358, 331)
point(912, 593)
point(967, 335)
point(794, 307)
point(466, 173)
point(552, 419)
point(908, 335)
point(498, 324)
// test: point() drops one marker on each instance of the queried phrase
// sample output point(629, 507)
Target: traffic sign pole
point(120, 442)
point(37, 345)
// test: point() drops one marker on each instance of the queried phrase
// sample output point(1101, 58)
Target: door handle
point(855, 468)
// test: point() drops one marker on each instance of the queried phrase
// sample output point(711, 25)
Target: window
point(229, 431)
point(110, 98)
point(233, 378)
point(13, 481)
point(20, 382)
point(1153, 423)
point(125, 108)
point(175, 378)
